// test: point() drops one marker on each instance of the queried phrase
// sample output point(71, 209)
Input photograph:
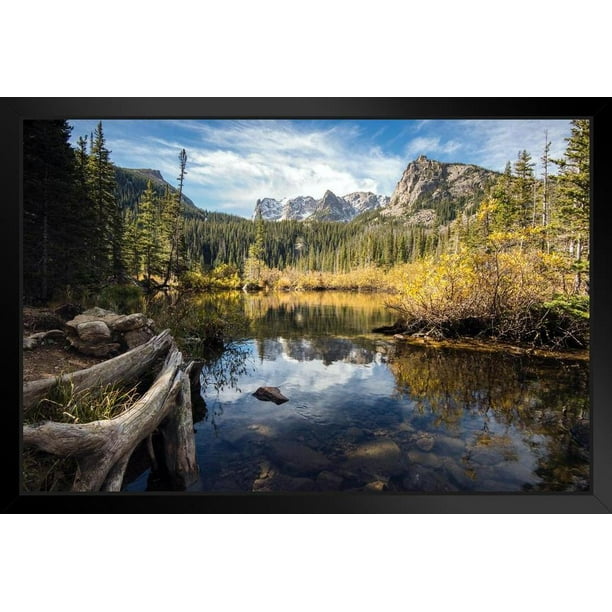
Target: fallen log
point(102, 448)
point(122, 368)
point(179, 441)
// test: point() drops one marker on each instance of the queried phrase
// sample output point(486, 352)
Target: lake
point(367, 412)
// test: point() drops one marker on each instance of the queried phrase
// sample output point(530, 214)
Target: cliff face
point(428, 187)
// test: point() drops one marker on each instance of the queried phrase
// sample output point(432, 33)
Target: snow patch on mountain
point(329, 208)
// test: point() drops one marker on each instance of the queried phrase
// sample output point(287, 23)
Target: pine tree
point(106, 251)
point(523, 187)
point(573, 197)
point(88, 232)
point(150, 234)
point(254, 264)
point(176, 263)
point(51, 213)
point(131, 253)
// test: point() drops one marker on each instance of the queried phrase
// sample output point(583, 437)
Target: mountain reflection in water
point(368, 413)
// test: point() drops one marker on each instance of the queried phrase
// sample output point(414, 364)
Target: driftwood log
point(179, 441)
point(102, 449)
point(119, 369)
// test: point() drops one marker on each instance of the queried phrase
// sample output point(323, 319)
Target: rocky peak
point(427, 185)
point(365, 200)
point(329, 208)
point(329, 199)
point(333, 208)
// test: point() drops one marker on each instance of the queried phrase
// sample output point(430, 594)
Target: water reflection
point(366, 413)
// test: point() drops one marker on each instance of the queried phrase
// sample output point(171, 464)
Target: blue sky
point(233, 163)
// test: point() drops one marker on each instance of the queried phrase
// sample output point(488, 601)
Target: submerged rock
point(270, 394)
point(273, 480)
point(328, 481)
point(424, 458)
point(425, 442)
point(376, 485)
point(297, 457)
point(377, 458)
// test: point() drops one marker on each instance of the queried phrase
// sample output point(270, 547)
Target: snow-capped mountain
point(329, 208)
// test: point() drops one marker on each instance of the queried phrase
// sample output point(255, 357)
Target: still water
point(369, 413)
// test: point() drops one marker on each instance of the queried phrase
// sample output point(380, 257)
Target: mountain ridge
point(131, 183)
point(328, 208)
point(428, 191)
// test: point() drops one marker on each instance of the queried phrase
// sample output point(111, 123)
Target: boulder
point(276, 481)
point(423, 479)
point(136, 337)
point(124, 323)
point(487, 455)
point(376, 485)
point(86, 317)
point(98, 313)
point(427, 459)
point(378, 457)
point(449, 445)
point(103, 349)
point(328, 481)
point(297, 458)
point(94, 332)
point(74, 323)
point(270, 394)
point(425, 442)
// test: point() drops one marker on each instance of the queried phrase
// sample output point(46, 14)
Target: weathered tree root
point(122, 368)
point(102, 449)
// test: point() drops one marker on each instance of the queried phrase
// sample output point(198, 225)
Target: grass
point(64, 404)
point(45, 472)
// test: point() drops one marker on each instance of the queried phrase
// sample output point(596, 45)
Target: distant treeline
point(314, 246)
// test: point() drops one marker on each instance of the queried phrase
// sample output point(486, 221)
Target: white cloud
point(492, 143)
point(294, 377)
point(432, 146)
point(233, 163)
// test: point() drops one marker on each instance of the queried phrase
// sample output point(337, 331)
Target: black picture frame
point(598, 500)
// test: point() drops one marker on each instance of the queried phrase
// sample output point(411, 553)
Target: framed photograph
point(309, 305)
